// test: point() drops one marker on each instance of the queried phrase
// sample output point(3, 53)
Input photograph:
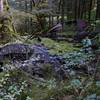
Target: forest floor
point(18, 85)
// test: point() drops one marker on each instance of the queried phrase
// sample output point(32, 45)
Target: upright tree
point(62, 13)
point(98, 9)
point(90, 8)
point(1, 6)
point(6, 26)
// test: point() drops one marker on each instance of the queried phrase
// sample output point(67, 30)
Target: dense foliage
point(49, 50)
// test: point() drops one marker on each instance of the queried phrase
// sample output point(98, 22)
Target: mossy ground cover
point(53, 89)
point(39, 91)
point(55, 47)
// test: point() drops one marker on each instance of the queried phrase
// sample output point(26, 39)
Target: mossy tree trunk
point(6, 26)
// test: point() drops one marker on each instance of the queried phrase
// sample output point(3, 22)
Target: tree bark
point(62, 14)
point(89, 12)
point(1, 6)
point(7, 30)
point(98, 10)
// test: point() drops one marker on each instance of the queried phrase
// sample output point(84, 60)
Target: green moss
point(38, 93)
point(6, 29)
point(68, 33)
point(54, 46)
point(48, 71)
point(58, 47)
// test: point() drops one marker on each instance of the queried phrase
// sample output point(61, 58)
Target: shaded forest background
point(47, 13)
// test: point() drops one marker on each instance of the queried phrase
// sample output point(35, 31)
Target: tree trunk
point(62, 14)
point(98, 10)
point(90, 8)
point(7, 28)
point(82, 9)
point(79, 9)
point(1, 6)
point(75, 10)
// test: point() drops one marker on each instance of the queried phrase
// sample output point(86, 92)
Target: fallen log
point(15, 51)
